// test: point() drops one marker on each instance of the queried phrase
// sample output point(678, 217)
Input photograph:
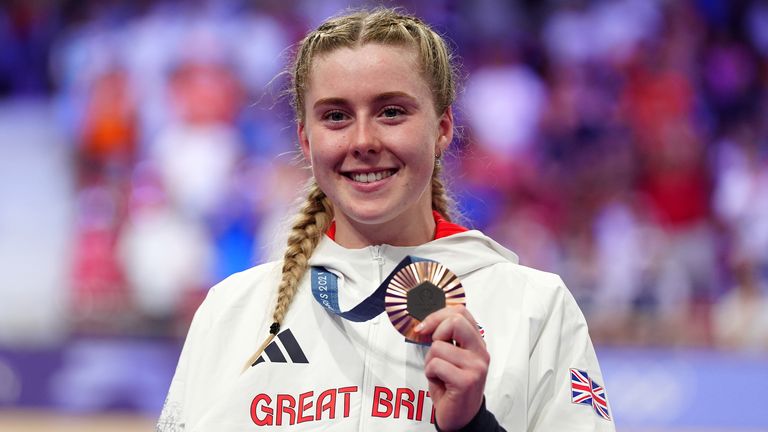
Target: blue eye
point(335, 116)
point(392, 112)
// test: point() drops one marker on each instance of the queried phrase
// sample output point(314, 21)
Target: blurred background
point(146, 152)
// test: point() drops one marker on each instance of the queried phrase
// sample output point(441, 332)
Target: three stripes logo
point(283, 349)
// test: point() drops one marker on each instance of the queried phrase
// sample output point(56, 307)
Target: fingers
point(431, 321)
point(453, 323)
point(460, 357)
point(450, 375)
point(456, 365)
point(443, 371)
point(455, 390)
point(456, 341)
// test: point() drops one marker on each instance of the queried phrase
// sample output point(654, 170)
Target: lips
point(369, 176)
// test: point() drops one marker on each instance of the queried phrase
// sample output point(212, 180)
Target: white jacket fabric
point(325, 373)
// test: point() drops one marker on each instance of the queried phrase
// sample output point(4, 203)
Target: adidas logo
point(282, 348)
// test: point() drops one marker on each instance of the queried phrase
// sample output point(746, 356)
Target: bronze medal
point(416, 291)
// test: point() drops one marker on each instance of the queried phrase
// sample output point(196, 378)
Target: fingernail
point(419, 327)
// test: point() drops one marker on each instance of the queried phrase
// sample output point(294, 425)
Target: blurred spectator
point(741, 315)
point(26, 31)
point(503, 104)
point(164, 253)
point(108, 136)
point(196, 154)
point(604, 31)
point(741, 191)
point(101, 297)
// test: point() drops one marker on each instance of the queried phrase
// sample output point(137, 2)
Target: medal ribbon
point(325, 289)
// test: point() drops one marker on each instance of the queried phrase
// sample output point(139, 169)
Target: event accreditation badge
point(418, 289)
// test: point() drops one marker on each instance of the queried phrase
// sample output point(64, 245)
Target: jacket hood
point(462, 253)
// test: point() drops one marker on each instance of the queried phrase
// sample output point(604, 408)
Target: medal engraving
point(425, 299)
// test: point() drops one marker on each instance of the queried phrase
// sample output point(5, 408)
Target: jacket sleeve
point(175, 412)
point(483, 421)
point(563, 345)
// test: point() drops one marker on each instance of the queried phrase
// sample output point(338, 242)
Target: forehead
point(369, 68)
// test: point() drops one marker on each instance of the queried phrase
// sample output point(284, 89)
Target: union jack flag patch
point(586, 391)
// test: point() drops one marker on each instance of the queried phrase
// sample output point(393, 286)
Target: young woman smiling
point(509, 351)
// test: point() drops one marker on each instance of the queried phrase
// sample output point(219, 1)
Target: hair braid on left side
point(311, 223)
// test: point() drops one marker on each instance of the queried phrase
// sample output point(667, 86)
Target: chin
point(372, 216)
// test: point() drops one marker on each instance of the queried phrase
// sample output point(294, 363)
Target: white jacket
point(325, 373)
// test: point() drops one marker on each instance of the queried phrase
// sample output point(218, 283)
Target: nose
point(365, 142)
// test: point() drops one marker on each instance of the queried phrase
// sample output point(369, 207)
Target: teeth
point(371, 177)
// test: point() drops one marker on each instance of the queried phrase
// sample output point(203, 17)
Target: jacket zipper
point(378, 260)
point(376, 253)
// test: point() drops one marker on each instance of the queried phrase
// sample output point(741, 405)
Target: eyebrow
point(382, 97)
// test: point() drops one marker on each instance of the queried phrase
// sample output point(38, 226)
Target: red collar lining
point(443, 228)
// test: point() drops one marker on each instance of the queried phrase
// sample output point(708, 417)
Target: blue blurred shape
point(672, 388)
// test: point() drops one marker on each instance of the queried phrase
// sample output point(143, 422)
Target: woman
point(372, 95)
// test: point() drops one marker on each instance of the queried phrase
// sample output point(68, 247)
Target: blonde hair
point(383, 26)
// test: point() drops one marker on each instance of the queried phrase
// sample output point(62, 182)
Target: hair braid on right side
point(311, 223)
point(441, 201)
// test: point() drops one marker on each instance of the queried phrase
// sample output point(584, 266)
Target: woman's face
point(371, 134)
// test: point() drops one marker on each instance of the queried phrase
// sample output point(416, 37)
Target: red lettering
point(283, 408)
point(346, 391)
point(326, 406)
point(290, 410)
point(267, 420)
point(305, 406)
point(379, 400)
point(404, 398)
point(420, 404)
point(432, 419)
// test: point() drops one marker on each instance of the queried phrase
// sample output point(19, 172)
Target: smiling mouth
point(370, 177)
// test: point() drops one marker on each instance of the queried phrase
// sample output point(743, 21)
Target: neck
point(413, 231)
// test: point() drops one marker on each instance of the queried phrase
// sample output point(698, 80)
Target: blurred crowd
point(622, 144)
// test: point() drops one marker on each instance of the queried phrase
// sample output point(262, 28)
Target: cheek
point(421, 161)
point(325, 151)
point(424, 151)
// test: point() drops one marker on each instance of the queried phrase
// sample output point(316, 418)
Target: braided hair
point(384, 26)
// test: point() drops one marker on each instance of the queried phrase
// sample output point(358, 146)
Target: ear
point(301, 132)
point(445, 130)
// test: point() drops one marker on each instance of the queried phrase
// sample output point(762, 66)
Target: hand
point(456, 372)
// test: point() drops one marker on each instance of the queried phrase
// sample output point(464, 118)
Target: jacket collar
point(443, 228)
point(463, 253)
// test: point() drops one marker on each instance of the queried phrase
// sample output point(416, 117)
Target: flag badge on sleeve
point(586, 391)
point(480, 329)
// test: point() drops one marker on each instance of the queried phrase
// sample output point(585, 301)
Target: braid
point(310, 225)
point(441, 202)
point(313, 220)
point(384, 26)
